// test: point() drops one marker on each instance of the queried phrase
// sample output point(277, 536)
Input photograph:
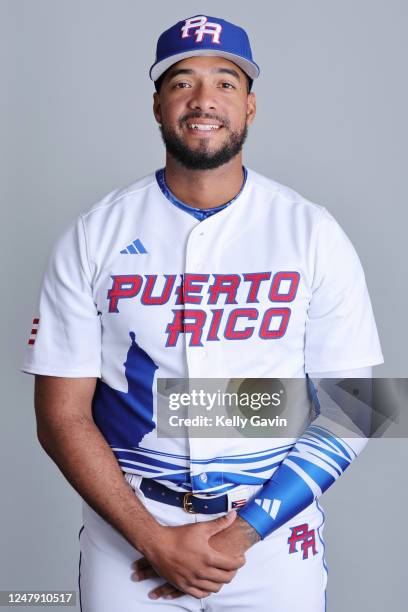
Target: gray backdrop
point(77, 122)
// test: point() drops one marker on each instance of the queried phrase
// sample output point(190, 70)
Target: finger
point(224, 562)
point(206, 585)
point(141, 563)
point(176, 595)
point(164, 590)
point(218, 524)
point(167, 591)
point(144, 574)
point(217, 575)
point(197, 593)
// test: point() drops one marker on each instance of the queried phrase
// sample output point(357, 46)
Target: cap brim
point(249, 67)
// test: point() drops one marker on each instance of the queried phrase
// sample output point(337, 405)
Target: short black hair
point(159, 81)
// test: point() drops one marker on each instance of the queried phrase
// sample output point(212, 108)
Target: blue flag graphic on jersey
point(125, 418)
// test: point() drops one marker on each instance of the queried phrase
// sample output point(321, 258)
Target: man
point(204, 269)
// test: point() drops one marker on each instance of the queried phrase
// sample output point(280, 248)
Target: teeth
point(203, 127)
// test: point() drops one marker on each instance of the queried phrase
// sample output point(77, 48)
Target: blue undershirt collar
point(198, 213)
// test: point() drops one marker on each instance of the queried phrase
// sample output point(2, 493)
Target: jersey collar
point(198, 213)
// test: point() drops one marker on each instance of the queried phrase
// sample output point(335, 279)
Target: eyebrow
point(190, 71)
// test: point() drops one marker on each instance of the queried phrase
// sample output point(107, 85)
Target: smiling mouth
point(204, 127)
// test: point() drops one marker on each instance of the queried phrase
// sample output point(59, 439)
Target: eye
point(226, 85)
point(181, 85)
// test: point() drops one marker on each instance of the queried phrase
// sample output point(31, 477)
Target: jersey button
point(203, 477)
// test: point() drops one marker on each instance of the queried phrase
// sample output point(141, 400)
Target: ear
point(157, 107)
point(251, 108)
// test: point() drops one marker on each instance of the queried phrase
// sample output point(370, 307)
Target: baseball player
point(202, 269)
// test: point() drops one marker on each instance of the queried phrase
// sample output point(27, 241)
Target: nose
point(203, 98)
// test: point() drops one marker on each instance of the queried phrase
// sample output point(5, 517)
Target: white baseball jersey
point(138, 289)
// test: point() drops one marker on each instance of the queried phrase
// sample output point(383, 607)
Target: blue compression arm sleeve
point(315, 462)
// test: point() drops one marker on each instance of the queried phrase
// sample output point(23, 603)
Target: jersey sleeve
point(320, 456)
point(65, 337)
point(316, 461)
point(340, 328)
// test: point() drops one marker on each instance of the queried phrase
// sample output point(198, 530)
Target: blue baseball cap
point(203, 35)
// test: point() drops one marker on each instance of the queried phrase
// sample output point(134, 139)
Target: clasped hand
point(196, 559)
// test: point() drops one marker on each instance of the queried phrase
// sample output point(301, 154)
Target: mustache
point(198, 115)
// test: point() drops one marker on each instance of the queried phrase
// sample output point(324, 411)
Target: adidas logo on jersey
point(136, 248)
point(270, 506)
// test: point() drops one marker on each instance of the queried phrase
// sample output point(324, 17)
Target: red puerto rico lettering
point(180, 325)
point(233, 334)
point(179, 291)
point(265, 331)
point(194, 289)
point(224, 283)
point(124, 286)
point(215, 324)
point(193, 284)
point(147, 299)
point(255, 279)
point(275, 295)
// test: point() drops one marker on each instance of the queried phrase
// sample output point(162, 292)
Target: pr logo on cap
point(202, 27)
point(203, 35)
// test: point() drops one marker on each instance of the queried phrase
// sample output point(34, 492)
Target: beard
point(203, 158)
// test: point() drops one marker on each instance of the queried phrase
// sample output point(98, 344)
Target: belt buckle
point(187, 504)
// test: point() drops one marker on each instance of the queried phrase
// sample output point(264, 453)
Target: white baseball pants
point(285, 572)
